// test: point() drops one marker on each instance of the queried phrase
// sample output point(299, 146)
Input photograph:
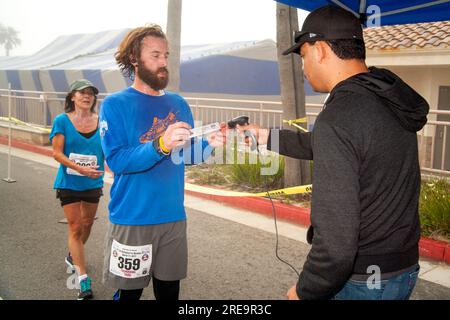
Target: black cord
point(276, 234)
point(266, 185)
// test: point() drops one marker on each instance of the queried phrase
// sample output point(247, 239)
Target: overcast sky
point(203, 21)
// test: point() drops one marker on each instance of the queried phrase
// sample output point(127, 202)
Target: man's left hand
point(292, 293)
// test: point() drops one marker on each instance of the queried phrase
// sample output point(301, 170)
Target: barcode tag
point(200, 131)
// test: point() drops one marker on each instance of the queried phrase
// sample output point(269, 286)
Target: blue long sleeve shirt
point(148, 188)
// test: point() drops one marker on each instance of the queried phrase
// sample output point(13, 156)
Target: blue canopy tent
point(386, 12)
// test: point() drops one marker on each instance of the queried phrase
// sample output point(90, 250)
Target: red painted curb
point(432, 249)
point(283, 211)
point(27, 147)
point(429, 248)
point(447, 254)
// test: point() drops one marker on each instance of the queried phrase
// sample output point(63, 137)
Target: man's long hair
point(129, 50)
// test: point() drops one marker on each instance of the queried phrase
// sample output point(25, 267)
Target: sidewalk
point(243, 211)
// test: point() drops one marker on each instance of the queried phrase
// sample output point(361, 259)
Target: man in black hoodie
point(366, 180)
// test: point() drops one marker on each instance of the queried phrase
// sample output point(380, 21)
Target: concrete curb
point(429, 248)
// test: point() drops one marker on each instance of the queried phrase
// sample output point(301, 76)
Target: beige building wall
point(425, 80)
point(425, 76)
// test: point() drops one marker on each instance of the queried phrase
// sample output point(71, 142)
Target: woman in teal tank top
point(76, 146)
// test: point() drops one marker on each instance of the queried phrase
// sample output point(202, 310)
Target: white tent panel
point(66, 48)
point(3, 80)
point(73, 75)
point(26, 79)
point(260, 50)
point(113, 80)
point(46, 81)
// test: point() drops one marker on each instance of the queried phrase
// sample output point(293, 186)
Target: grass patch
point(244, 173)
point(434, 209)
point(249, 171)
point(204, 174)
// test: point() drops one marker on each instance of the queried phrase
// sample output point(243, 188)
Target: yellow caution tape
point(226, 193)
point(17, 121)
point(298, 127)
point(299, 120)
point(295, 123)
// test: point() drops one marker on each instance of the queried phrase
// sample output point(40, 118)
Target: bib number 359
point(130, 261)
point(129, 264)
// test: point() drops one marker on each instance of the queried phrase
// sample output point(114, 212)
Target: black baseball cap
point(327, 23)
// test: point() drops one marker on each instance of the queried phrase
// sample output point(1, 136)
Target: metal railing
point(265, 113)
point(34, 107)
point(434, 145)
point(40, 108)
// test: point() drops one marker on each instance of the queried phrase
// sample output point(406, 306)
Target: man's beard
point(151, 78)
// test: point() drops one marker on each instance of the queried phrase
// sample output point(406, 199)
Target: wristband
point(163, 147)
point(157, 146)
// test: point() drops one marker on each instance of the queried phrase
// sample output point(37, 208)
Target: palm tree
point(9, 38)
point(297, 172)
point(174, 36)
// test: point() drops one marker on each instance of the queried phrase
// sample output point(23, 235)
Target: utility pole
point(297, 172)
point(173, 34)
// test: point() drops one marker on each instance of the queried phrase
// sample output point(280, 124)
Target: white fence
point(265, 113)
point(34, 107)
point(40, 108)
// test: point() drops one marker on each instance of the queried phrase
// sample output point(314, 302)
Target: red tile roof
point(409, 36)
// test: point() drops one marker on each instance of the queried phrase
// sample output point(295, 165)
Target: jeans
point(396, 288)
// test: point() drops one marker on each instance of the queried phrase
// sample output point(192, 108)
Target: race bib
point(130, 261)
point(81, 160)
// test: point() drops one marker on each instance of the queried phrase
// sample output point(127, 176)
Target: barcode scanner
point(243, 121)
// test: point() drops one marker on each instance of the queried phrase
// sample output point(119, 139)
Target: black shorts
point(68, 196)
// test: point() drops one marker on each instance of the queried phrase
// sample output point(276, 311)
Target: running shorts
point(127, 250)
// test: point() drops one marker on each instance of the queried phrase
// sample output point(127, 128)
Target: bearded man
point(140, 127)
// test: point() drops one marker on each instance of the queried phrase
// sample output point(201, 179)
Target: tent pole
point(8, 179)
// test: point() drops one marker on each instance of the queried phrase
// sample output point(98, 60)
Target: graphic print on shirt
point(103, 128)
point(158, 127)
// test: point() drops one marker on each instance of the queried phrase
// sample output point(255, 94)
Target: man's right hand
point(176, 135)
point(261, 134)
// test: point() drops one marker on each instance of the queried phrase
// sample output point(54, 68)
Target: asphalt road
point(227, 260)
